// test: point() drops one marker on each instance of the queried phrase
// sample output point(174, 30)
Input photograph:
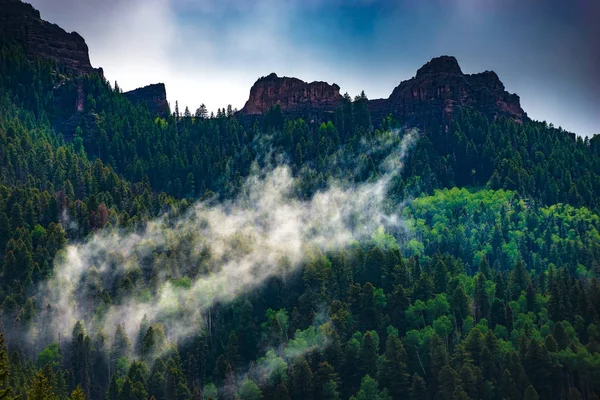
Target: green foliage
point(369, 390)
point(505, 229)
point(49, 356)
point(249, 391)
point(492, 292)
point(5, 389)
point(41, 388)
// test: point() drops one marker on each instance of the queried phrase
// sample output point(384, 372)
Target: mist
point(232, 247)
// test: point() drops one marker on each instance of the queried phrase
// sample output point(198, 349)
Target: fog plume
point(227, 249)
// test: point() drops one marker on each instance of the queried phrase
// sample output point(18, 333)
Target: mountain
point(440, 89)
point(326, 260)
point(437, 92)
point(45, 40)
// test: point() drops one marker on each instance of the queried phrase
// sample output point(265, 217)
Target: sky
point(212, 51)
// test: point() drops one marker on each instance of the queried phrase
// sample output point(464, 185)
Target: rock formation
point(294, 95)
point(154, 96)
point(44, 39)
point(436, 93)
point(440, 89)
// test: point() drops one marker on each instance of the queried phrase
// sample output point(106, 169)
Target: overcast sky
point(212, 51)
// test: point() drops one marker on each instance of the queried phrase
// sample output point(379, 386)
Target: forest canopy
point(305, 260)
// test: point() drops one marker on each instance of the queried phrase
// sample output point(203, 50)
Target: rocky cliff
point(435, 94)
point(294, 96)
point(154, 96)
point(44, 39)
point(440, 89)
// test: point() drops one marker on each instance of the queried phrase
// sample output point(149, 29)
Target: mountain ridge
point(434, 95)
point(437, 91)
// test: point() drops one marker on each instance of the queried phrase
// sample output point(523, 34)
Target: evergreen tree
point(482, 302)
point(531, 394)
point(301, 380)
point(394, 375)
point(418, 388)
point(5, 389)
point(41, 388)
point(369, 351)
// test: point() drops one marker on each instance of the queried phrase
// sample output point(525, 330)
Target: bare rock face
point(294, 96)
point(435, 95)
point(440, 89)
point(44, 39)
point(154, 96)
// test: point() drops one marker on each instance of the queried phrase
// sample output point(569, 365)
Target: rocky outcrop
point(154, 96)
point(294, 95)
point(440, 89)
point(44, 39)
point(435, 95)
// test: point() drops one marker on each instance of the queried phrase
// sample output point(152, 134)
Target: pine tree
point(418, 389)
point(440, 275)
point(460, 303)
point(369, 351)
point(481, 300)
point(81, 358)
point(394, 375)
point(77, 394)
point(519, 280)
point(121, 346)
point(531, 394)
point(537, 365)
point(144, 325)
point(201, 112)
point(281, 393)
point(484, 268)
point(507, 387)
point(302, 380)
point(41, 388)
point(530, 296)
point(113, 389)
point(448, 381)
point(5, 389)
point(330, 391)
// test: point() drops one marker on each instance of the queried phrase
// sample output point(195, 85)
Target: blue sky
point(212, 51)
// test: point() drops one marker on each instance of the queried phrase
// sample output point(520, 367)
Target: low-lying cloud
point(233, 247)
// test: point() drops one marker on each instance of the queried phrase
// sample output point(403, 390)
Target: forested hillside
point(121, 232)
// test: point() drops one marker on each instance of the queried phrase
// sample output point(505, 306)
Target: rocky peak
point(17, 8)
point(271, 77)
point(485, 79)
point(440, 65)
point(434, 96)
point(154, 96)
point(44, 39)
point(294, 95)
point(440, 89)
